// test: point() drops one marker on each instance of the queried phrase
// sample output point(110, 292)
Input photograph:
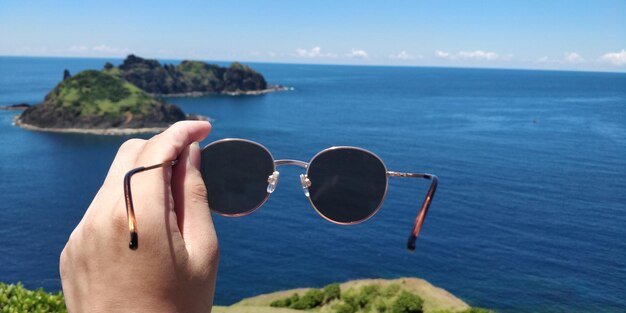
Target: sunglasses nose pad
point(272, 181)
point(306, 183)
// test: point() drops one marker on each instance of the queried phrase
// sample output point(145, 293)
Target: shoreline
point(90, 131)
point(270, 89)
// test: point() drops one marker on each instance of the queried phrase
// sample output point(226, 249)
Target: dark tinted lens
point(347, 185)
point(235, 173)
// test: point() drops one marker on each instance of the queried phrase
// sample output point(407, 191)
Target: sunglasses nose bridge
point(291, 162)
point(304, 181)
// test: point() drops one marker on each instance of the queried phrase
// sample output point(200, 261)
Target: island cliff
point(188, 77)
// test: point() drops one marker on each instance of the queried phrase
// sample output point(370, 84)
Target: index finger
point(168, 145)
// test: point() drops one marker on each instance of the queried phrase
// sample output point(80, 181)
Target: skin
point(175, 266)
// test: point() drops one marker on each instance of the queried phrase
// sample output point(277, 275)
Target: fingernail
point(193, 159)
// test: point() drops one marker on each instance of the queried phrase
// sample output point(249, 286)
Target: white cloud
point(78, 48)
point(99, 49)
point(267, 54)
point(357, 53)
point(402, 55)
point(573, 57)
point(107, 49)
point(443, 55)
point(315, 52)
point(615, 58)
point(544, 59)
point(477, 55)
point(567, 59)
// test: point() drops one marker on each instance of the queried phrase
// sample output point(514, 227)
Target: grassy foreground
point(404, 295)
point(17, 299)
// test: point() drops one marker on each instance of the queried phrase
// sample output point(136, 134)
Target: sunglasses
point(345, 185)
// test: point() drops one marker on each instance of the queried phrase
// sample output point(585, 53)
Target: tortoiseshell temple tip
point(411, 243)
point(134, 241)
point(130, 211)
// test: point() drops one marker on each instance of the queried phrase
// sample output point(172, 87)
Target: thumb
point(192, 208)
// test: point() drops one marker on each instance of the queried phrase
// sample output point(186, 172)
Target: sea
point(530, 214)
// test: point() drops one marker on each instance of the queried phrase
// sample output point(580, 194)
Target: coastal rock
point(239, 77)
point(150, 76)
point(19, 106)
point(97, 100)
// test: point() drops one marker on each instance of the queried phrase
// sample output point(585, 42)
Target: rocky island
point(126, 99)
point(100, 103)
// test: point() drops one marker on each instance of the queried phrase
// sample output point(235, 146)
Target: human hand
point(175, 266)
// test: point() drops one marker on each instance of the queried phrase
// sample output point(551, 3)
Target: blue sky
point(571, 35)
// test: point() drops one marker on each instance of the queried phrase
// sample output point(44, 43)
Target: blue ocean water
point(530, 213)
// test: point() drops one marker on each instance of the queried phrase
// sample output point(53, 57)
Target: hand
point(175, 266)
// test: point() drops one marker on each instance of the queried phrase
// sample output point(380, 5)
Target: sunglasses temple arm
point(419, 220)
point(128, 198)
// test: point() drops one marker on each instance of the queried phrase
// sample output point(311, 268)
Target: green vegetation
point(332, 292)
point(286, 302)
point(407, 303)
point(391, 290)
point(17, 299)
point(201, 76)
point(366, 296)
point(311, 299)
point(370, 298)
point(95, 93)
point(241, 67)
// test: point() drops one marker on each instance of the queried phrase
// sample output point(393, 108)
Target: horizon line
point(617, 71)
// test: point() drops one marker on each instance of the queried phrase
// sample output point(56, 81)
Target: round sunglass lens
point(235, 173)
point(347, 184)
